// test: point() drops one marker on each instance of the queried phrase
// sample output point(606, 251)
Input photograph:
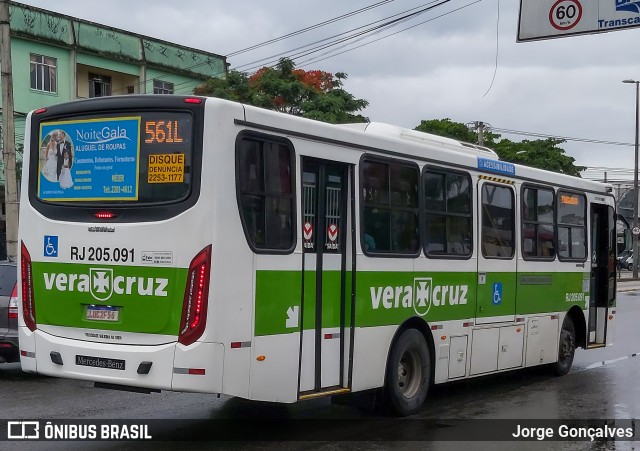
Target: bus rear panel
point(110, 292)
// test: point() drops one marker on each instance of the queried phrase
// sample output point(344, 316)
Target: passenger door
point(326, 288)
point(603, 273)
point(496, 257)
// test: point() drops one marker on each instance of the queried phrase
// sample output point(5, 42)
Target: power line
point(495, 70)
point(332, 37)
point(313, 61)
point(605, 168)
point(262, 44)
point(372, 30)
point(309, 28)
point(404, 16)
point(347, 35)
point(565, 138)
point(408, 14)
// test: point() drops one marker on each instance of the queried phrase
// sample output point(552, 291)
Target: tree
point(235, 86)
point(312, 94)
point(446, 127)
point(540, 153)
point(456, 130)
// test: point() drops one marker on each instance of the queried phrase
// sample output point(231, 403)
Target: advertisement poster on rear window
point(89, 160)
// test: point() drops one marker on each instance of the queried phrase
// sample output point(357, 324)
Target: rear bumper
point(56, 356)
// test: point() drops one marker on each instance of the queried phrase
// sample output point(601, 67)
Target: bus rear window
point(131, 158)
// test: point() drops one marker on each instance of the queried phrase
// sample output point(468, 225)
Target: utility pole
point(8, 135)
point(480, 131)
point(635, 230)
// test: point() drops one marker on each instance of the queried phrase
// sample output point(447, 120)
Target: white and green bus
point(195, 244)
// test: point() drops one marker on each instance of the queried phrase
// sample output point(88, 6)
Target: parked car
point(622, 258)
point(627, 261)
point(9, 351)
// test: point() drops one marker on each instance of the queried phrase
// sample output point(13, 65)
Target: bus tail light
point(13, 303)
point(196, 298)
point(28, 302)
point(105, 215)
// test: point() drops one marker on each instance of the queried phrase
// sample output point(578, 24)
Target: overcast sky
point(569, 87)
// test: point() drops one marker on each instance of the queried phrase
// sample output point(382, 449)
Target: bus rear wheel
point(408, 373)
point(566, 348)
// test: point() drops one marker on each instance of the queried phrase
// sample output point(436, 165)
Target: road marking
point(609, 362)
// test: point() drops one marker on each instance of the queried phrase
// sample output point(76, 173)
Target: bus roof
point(401, 142)
point(392, 131)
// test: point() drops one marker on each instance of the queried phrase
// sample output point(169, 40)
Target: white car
point(628, 263)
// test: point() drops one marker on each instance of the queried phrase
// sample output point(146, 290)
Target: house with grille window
point(58, 58)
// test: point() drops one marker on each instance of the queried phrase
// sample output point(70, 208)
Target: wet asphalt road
point(604, 383)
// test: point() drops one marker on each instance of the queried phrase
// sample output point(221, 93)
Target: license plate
point(102, 313)
point(100, 362)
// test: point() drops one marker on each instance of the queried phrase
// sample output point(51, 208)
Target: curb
point(623, 287)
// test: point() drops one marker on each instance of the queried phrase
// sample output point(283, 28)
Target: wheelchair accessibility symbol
point(497, 293)
point(50, 246)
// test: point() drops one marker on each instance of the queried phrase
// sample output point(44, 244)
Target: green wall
point(24, 97)
point(182, 85)
point(107, 64)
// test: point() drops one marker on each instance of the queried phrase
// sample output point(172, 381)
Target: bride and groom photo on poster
point(58, 156)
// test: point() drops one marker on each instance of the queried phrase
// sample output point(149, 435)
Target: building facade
point(58, 58)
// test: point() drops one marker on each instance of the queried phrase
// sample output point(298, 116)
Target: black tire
point(566, 348)
point(408, 373)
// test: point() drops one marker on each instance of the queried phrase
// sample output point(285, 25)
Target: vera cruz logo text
point(102, 283)
point(421, 295)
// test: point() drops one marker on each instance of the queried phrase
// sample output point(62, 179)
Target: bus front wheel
point(566, 348)
point(408, 373)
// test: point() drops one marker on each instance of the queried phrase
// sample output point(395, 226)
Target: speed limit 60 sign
point(565, 14)
point(544, 19)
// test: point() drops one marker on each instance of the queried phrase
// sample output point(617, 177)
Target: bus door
point(496, 301)
point(603, 273)
point(327, 242)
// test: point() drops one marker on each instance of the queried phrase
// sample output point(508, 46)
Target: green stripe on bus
point(388, 298)
point(149, 298)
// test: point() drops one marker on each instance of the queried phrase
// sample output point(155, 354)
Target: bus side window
point(538, 223)
point(265, 193)
point(498, 228)
point(572, 226)
point(390, 207)
point(447, 206)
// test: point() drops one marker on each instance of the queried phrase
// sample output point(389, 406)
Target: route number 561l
point(162, 132)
